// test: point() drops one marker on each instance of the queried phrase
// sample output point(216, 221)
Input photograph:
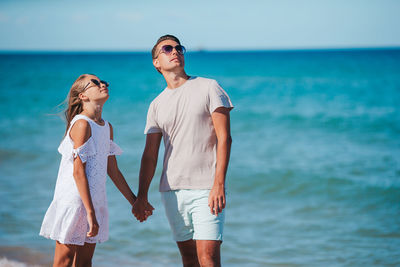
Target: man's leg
point(180, 222)
point(189, 253)
point(208, 252)
point(208, 230)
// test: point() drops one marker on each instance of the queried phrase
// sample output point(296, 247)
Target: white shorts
point(190, 217)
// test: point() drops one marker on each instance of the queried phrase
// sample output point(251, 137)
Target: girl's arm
point(80, 133)
point(117, 177)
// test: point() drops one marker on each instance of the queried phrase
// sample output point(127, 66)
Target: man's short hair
point(163, 38)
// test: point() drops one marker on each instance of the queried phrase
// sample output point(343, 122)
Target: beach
point(23, 257)
point(314, 176)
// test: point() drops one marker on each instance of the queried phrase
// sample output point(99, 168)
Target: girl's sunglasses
point(167, 49)
point(97, 83)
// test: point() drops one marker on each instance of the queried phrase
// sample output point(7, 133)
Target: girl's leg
point(84, 255)
point(64, 255)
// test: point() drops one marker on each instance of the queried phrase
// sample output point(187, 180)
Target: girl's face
point(95, 89)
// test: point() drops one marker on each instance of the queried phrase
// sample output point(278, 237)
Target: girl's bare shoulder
point(80, 132)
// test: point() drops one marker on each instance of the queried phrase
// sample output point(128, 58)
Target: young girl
point(78, 217)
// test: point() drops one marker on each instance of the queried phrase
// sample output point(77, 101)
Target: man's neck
point(174, 80)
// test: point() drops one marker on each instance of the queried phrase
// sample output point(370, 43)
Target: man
point(192, 115)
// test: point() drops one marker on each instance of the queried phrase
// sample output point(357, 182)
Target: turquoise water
point(314, 177)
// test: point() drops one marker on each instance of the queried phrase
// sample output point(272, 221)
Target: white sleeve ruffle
point(85, 151)
point(114, 149)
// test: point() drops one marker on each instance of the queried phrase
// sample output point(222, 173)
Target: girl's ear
point(83, 97)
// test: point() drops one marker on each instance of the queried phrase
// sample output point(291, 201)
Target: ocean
point(314, 175)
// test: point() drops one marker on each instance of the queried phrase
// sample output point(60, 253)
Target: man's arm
point(147, 169)
point(221, 122)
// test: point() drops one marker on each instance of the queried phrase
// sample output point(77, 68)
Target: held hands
point(142, 209)
point(93, 225)
point(216, 199)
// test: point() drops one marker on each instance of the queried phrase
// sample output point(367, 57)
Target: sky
point(51, 25)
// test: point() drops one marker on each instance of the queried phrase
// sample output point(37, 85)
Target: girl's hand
point(142, 209)
point(149, 210)
point(93, 225)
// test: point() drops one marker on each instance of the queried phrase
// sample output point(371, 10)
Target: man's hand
point(216, 199)
point(142, 209)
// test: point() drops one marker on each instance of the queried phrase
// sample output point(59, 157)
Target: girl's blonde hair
point(75, 105)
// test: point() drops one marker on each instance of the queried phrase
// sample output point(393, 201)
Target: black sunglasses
point(167, 49)
point(97, 83)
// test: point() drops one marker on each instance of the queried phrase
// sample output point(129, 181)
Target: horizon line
point(198, 50)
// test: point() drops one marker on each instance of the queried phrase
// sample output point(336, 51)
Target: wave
point(300, 184)
point(18, 256)
point(4, 262)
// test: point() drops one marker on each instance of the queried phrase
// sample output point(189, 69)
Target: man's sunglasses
point(167, 49)
point(97, 83)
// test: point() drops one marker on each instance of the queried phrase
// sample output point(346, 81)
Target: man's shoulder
point(158, 98)
point(203, 80)
point(204, 83)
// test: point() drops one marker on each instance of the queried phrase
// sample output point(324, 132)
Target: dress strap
point(77, 117)
point(87, 149)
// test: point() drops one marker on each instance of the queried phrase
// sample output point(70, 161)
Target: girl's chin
point(103, 98)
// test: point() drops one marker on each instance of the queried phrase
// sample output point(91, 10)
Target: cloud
point(79, 17)
point(22, 20)
point(4, 18)
point(129, 17)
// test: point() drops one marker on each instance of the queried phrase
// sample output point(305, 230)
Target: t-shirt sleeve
point(151, 123)
point(218, 97)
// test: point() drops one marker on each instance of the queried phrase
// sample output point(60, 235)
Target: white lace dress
point(65, 219)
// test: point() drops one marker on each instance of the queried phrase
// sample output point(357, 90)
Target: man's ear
point(156, 63)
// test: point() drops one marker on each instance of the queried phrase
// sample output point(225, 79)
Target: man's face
point(165, 61)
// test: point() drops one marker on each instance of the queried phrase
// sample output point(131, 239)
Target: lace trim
point(85, 151)
point(114, 149)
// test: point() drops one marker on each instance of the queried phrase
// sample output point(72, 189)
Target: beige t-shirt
point(183, 116)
